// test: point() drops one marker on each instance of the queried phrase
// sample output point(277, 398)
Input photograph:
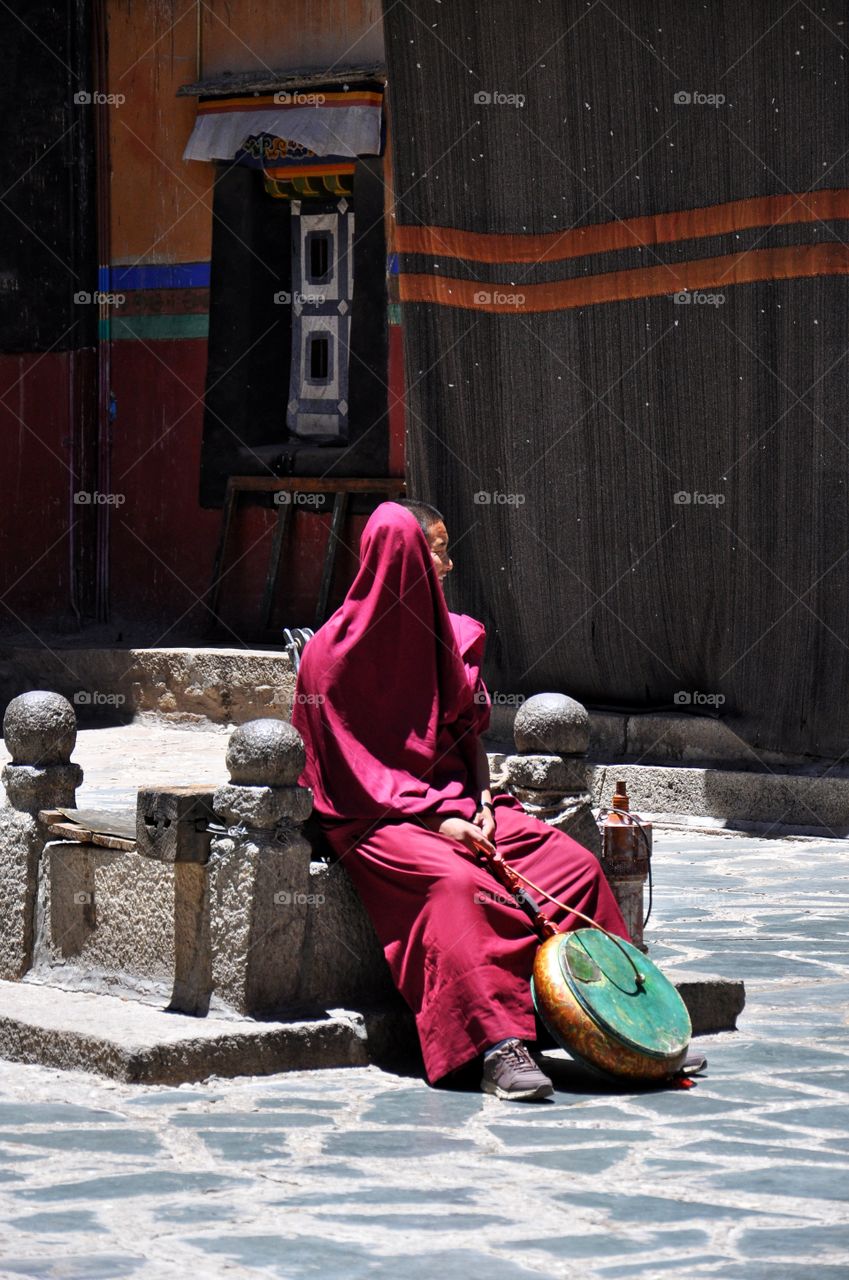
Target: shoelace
point(518, 1054)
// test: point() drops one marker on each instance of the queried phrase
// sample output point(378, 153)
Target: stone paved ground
point(119, 759)
point(358, 1174)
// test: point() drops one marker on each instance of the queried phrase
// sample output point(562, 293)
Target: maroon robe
point(390, 704)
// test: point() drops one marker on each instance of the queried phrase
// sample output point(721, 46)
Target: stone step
point(133, 1042)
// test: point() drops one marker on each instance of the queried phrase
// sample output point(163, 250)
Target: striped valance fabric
point(328, 122)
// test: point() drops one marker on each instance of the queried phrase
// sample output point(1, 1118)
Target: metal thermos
point(625, 852)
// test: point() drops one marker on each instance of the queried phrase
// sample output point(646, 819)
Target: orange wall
point(257, 35)
point(161, 204)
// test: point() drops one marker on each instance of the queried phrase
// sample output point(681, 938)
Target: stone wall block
point(40, 732)
point(259, 896)
point(546, 772)
point(262, 807)
point(549, 774)
point(259, 872)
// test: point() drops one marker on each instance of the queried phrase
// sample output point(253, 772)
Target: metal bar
point(274, 562)
point(226, 518)
point(340, 510)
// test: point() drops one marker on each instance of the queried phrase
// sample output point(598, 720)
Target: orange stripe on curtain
point(619, 286)
point(627, 233)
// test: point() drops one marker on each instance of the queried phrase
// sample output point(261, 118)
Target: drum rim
point(659, 1055)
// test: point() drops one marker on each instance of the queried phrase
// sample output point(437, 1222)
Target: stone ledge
point(179, 685)
point(714, 1004)
point(676, 737)
point(137, 1044)
point(792, 803)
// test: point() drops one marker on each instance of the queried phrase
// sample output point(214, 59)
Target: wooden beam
point(268, 81)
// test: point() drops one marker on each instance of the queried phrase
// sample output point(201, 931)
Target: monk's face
point(437, 537)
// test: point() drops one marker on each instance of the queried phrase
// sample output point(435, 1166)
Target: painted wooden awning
point(304, 129)
point(331, 122)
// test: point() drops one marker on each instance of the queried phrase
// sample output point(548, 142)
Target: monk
point(391, 707)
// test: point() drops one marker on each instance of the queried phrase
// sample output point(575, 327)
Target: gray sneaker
point(511, 1073)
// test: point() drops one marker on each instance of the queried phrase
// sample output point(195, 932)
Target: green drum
point(609, 1006)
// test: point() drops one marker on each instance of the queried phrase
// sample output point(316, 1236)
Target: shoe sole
point(518, 1095)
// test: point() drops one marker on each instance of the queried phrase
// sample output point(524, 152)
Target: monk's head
point(432, 526)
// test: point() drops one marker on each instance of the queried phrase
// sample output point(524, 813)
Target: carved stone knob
point(552, 723)
point(40, 728)
point(265, 753)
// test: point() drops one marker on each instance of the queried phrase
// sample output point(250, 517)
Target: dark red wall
point(162, 542)
point(35, 552)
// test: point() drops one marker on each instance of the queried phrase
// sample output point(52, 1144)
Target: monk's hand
point(485, 819)
point(468, 834)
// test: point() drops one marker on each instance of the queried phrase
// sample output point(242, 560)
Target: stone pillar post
point(548, 775)
point(40, 731)
point(259, 872)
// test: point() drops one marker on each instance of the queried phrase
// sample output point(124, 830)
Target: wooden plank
point(77, 834)
point(110, 822)
point(112, 842)
point(70, 831)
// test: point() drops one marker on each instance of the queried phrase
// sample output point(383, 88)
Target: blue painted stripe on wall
point(170, 275)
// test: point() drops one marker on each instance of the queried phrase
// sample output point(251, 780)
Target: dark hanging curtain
point(583, 422)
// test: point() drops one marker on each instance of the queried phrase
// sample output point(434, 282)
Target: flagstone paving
point(359, 1173)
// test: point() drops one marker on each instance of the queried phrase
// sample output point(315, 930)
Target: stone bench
point(221, 908)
